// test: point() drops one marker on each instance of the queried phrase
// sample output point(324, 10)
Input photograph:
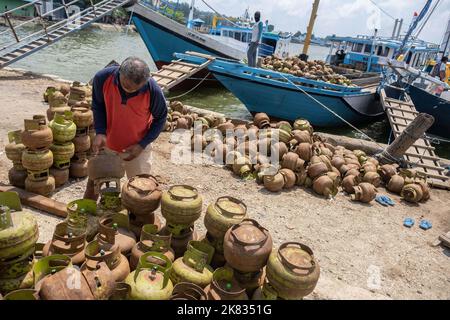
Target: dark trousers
point(252, 54)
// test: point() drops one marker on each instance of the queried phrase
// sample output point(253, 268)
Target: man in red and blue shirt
point(130, 112)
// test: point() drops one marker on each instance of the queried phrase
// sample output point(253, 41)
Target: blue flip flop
point(385, 200)
point(408, 222)
point(425, 225)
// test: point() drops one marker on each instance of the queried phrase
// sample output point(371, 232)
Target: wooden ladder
point(178, 71)
point(28, 44)
point(421, 155)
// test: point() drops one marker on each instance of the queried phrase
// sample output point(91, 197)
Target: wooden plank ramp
point(421, 155)
point(178, 71)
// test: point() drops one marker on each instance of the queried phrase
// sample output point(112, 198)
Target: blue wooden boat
point(269, 91)
point(163, 36)
point(421, 88)
point(436, 106)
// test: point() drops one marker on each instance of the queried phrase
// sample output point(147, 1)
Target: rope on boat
point(437, 140)
point(382, 10)
point(192, 89)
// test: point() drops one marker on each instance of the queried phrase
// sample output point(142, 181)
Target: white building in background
point(445, 46)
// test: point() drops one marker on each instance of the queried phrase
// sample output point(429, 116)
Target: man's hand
point(98, 143)
point(134, 151)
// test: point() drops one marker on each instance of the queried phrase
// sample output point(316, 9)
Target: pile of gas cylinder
point(45, 155)
point(303, 158)
point(98, 253)
point(314, 70)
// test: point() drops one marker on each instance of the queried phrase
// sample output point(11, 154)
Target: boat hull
point(163, 36)
point(291, 104)
point(435, 106)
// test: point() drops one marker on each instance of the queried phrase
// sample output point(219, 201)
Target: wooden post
point(312, 20)
point(414, 131)
point(39, 202)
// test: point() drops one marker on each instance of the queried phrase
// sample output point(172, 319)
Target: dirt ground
point(364, 251)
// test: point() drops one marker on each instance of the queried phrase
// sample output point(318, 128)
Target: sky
point(340, 17)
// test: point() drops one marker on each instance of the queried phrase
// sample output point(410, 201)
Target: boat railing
point(265, 49)
point(162, 6)
point(19, 33)
point(265, 75)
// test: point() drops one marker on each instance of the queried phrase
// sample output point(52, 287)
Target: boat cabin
point(271, 44)
point(365, 52)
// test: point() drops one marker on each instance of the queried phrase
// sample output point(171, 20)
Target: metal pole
point(65, 8)
point(93, 8)
point(12, 27)
point(400, 25)
point(395, 29)
point(369, 63)
point(38, 10)
point(312, 20)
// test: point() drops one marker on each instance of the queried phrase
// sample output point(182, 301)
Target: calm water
point(79, 56)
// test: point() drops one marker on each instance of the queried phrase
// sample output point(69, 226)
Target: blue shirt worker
point(257, 31)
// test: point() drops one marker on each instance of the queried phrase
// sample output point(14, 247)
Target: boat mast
point(413, 27)
point(191, 15)
point(312, 20)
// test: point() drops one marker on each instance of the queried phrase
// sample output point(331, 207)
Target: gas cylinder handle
point(112, 259)
point(225, 273)
point(15, 136)
point(159, 243)
point(145, 265)
point(181, 198)
point(147, 231)
point(46, 265)
point(188, 290)
point(75, 243)
point(247, 244)
point(105, 231)
point(197, 258)
point(157, 246)
point(231, 199)
point(292, 266)
point(34, 124)
point(5, 218)
point(130, 184)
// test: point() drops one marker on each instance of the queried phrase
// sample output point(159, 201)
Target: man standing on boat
point(440, 70)
point(252, 52)
point(130, 112)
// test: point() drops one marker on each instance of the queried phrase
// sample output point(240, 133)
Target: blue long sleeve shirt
point(127, 119)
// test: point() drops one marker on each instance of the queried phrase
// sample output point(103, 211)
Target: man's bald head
point(134, 73)
point(135, 70)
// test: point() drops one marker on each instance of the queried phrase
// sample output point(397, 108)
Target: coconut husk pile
point(304, 159)
point(314, 70)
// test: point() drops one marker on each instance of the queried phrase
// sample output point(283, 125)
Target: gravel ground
point(363, 250)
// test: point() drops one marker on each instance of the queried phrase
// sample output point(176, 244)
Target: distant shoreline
point(99, 25)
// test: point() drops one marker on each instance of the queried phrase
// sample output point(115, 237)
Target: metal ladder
point(19, 46)
point(178, 71)
point(421, 155)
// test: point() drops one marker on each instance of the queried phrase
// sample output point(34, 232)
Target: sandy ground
point(363, 250)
